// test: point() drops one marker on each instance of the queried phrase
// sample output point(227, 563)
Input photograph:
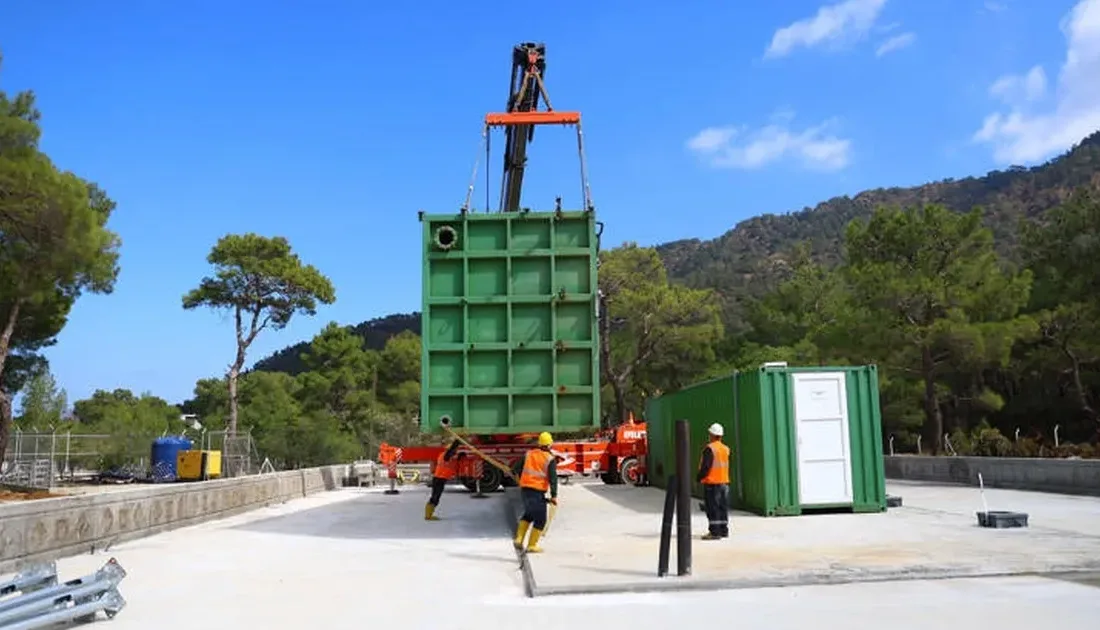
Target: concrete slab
point(350, 558)
point(1017, 603)
point(355, 558)
point(605, 539)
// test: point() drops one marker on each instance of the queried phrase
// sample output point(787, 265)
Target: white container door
point(821, 428)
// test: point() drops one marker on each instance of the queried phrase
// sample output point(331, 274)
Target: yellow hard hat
point(545, 439)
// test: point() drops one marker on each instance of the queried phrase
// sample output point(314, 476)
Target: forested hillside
point(374, 334)
point(749, 259)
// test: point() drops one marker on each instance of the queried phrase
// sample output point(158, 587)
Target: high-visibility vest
point(536, 470)
point(720, 465)
point(445, 469)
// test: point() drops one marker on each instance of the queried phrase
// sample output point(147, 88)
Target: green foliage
point(127, 424)
point(44, 403)
point(926, 291)
point(655, 336)
point(54, 246)
point(261, 278)
point(263, 284)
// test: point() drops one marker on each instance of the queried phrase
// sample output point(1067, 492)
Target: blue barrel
point(163, 459)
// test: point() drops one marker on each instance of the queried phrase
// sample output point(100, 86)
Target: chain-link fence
point(239, 455)
point(42, 460)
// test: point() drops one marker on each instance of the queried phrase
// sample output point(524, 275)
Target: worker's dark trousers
point(437, 490)
point(534, 507)
point(716, 501)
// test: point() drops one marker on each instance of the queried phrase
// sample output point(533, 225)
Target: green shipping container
point(810, 438)
point(702, 405)
point(508, 321)
point(802, 438)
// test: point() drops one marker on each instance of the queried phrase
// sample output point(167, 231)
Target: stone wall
point(46, 529)
point(1062, 476)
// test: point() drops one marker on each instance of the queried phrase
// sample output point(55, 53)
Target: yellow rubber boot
point(533, 542)
point(429, 512)
point(521, 533)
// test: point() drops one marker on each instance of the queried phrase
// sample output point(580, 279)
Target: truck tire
point(491, 479)
point(630, 471)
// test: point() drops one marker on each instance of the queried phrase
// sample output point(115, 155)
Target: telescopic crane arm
point(527, 87)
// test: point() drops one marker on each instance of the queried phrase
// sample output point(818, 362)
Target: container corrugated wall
point(769, 468)
point(701, 405)
point(769, 440)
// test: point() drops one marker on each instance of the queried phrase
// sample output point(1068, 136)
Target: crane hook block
point(445, 237)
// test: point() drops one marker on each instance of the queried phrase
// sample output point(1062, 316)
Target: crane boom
point(521, 118)
point(519, 122)
point(528, 66)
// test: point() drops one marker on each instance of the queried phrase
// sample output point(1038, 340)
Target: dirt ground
point(7, 494)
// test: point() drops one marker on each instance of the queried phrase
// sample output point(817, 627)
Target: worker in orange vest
point(540, 473)
point(446, 468)
point(714, 474)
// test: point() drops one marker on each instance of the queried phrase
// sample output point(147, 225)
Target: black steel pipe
point(666, 527)
point(683, 498)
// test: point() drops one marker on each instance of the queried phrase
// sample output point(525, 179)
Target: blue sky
point(333, 125)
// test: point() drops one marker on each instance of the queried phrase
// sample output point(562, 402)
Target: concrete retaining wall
point(53, 528)
point(1063, 476)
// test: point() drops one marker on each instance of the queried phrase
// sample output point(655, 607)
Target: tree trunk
point(1079, 388)
point(620, 401)
point(604, 323)
point(5, 397)
point(234, 374)
point(5, 422)
point(933, 417)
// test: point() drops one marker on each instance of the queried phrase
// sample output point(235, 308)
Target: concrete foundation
point(604, 539)
point(47, 529)
point(355, 557)
point(1063, 476)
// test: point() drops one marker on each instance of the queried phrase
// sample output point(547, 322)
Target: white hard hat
point(716, 429)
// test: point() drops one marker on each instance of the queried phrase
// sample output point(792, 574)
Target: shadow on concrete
point(646, 500)
point(375, 515)
point(1090, 578)
point(650, 500)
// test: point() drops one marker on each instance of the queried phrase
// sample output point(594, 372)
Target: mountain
point(748, 260)
point(374, 333)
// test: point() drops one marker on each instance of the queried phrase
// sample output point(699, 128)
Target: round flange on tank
point(445, 237)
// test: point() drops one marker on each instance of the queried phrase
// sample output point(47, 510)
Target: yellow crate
point(197, 465)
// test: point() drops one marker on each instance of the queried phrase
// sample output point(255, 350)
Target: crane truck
point(510, 319)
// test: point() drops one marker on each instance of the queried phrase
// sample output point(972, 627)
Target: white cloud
point(1013, 89)
point(815, 148)
point(897, 42)
point(1027, 132)
point(831, 24)
point(995, 7)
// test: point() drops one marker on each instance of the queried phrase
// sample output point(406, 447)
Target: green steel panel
point(509, 322)
point(768, 436)
point(702, 405)
point(769, 468)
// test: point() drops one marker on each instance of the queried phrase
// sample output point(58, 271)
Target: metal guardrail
point(40, 602)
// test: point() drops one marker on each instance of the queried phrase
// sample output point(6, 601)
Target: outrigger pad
point(1000, 519)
